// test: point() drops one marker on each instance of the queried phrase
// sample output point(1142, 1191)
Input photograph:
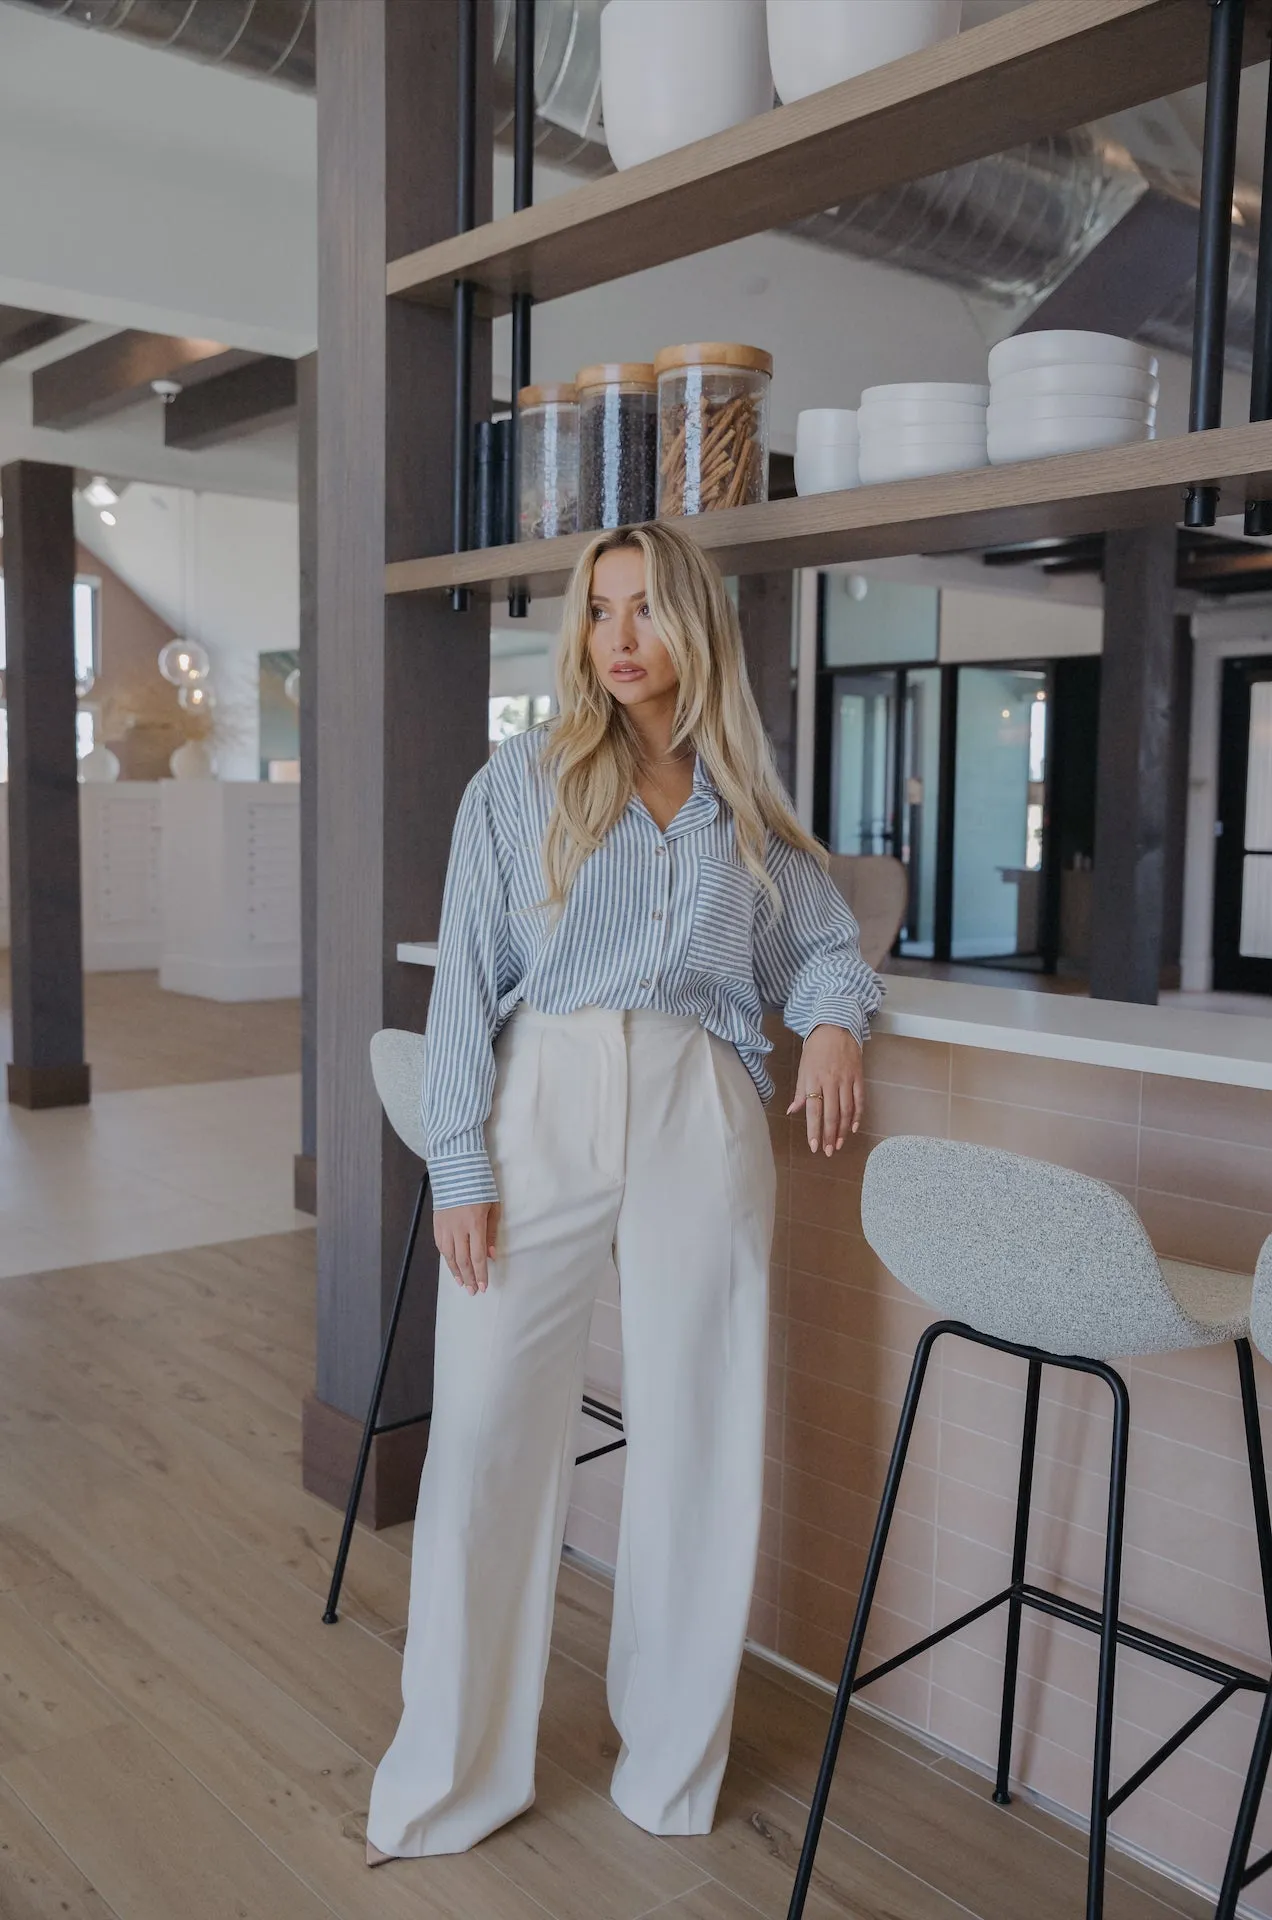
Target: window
point(87, 606)
point(513, 713)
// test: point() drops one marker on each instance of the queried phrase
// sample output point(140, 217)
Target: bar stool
point(397, 1068)
point(1055, 1268)
point(1238, 1875)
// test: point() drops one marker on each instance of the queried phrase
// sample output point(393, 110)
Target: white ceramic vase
point(674, 71)
point(817, 43)
point(194, 760)
point(99, 767)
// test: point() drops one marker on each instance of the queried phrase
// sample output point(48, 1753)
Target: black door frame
point(1233, 972)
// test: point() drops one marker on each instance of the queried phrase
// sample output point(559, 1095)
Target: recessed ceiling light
point(108, 519)
point(99, 492)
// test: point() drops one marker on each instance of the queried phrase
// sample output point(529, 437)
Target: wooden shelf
point(1041, 70)
point(1033, 500)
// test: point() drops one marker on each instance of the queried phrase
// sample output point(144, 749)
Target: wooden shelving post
point(402, 687)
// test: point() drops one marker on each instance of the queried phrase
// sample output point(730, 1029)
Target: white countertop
point(1226, 1048)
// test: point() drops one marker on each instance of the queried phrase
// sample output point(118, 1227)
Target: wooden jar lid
point(714, 353)
point(633, 376)
point(564, 393)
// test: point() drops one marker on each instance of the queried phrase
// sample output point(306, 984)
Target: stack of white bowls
point(826, 450)
point(1063, 392)
point(925, 426)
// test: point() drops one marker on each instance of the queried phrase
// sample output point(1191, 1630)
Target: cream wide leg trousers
point(638, 1137)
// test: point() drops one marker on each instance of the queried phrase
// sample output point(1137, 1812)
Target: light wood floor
point(182, 1739)
point(135, 1035)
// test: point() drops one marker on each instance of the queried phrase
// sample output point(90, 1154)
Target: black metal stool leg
point(1015, 1606)
point(373, 1411)
point(861, 1620)
point(1214, 237)
point(1256, 1776)
point(1109, 1622)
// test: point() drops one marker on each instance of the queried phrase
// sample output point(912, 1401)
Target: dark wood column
point(46, 944)
point(766, 612)
point(402, 692)
point(306, 1166)
point(1138, 677)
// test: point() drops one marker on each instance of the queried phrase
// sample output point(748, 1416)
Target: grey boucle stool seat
point(1055, 1268)
point(397, 1068)
point(1239, 1875)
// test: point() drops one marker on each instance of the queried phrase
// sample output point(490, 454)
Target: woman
point(593, 1092)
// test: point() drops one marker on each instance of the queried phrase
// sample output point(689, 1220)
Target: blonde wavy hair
point(596, 752)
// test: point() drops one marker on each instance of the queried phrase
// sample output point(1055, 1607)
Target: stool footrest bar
point(1170, 1746)
point(597, 1452)
point(1138, 1638)
point(933, 1640)
point(396, 1426)
point(1259, 1868)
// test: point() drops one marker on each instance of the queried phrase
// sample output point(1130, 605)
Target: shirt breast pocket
point(720, 939)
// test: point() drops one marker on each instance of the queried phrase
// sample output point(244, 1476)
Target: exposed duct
point(273, 39)
point(1010, 229)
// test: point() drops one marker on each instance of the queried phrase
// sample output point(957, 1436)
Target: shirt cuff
point(461, 1179)
point(848, 1012)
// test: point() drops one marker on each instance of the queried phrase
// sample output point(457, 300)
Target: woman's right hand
point(465, 1239)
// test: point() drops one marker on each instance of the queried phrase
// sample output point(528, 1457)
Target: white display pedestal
point(119, 874)
point(230, 889)
point(119, 871)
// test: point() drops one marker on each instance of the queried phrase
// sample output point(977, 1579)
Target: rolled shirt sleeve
point(459, 1062)
point(808, 957)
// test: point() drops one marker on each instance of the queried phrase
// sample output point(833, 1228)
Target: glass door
point(1243, 854)
point(999, 807)
point(863, 762)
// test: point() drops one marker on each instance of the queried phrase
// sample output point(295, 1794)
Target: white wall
point(998, 626)
point(220, 569)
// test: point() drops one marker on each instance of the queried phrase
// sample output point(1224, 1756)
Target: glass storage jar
point(548, 461)
point(618, 444)
point(713, 429)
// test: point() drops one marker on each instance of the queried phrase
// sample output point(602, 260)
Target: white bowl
point(1047, 437)
point(816, 43)
point(970, 394)
point(888, 436)
point(1075, 376)
point(1078, 406)
point(671, 74)
point(825, 426)
point(881, 464)
point(826, 469)
point(921, 413)
point(1065, 347)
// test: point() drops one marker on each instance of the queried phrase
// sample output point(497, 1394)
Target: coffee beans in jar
point(618, 444)
point(713, 427)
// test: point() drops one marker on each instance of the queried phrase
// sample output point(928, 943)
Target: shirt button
point(642, 983)
point(657, 913)
point(660, 851)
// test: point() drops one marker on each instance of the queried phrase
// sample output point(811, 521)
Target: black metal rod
point(522, 197)
point(1019, 1554)
point(1259, 1867)
point(1168, 1747)
point(930, 1640)
point(377, 1394)
point(861, 1619)
point(1236, 1873)
point(396, 1426)
point(1258, 1468)
point(1101, 1771)
point(1258, 513)
point(1137, 1640)
point(582, 1459)
point(465, 200)
point(1214, 236)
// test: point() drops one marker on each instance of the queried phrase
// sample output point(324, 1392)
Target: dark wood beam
point(403, 689)
point(21, 330)
point(46, 942)
point(118, 372)
point(1139, 679)
point(261, 394)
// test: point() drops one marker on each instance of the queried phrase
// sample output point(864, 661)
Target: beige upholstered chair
point(876, 887)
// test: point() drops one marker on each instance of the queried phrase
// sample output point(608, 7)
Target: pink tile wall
point(1196, 1160)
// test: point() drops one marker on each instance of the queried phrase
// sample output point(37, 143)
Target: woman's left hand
point(830, 1087)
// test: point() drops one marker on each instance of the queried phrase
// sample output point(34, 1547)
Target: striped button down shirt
point(670, 919)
